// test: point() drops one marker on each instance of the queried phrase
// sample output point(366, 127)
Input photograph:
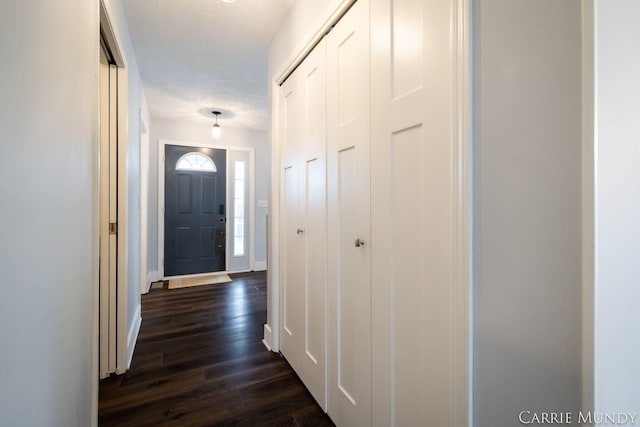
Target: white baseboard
point(153, 276)
point(133, 334)
point(260, 265)
point(268, 337)
point(147, 284)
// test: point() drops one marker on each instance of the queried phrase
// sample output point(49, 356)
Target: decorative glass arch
point(195, 161)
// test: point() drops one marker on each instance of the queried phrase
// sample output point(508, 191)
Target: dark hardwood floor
point(200, 361)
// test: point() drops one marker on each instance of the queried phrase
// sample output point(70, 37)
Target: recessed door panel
point(406, 46)
point(315, 262)
point(349, 286)
point(185, 185)
point(292, 281)
point(184, 243)
point(304, 222)
point(209, 196)
point(407, 292)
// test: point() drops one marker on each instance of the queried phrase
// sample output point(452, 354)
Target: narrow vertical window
point(239, 181)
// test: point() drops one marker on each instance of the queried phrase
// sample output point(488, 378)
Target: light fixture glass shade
point(216, 131)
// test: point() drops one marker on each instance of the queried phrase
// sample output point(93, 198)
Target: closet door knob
point(359, 243)
point(300, 231)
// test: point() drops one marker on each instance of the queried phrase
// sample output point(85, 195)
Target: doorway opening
point(206, 209)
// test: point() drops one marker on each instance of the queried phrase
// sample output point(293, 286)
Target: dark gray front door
point(195, 212)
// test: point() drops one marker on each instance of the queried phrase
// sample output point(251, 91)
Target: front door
point(195, 211)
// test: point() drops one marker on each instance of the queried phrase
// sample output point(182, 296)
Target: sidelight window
point(239, 183)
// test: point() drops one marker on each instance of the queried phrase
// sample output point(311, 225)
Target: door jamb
point(251, 196)
point(145, 282)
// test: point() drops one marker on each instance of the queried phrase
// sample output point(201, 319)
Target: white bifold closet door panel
point(304, 222)
point(413, 77)
point(348, 139)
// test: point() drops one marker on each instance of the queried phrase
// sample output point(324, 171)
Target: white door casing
point(145, 283)
point(350, 243)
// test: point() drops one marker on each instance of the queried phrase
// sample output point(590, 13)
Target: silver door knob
point(359, 243)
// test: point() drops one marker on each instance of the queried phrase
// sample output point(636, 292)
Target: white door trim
point(462, 387)
point(161, 148)
point(145, 284)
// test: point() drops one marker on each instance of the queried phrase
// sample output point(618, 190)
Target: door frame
point(161, 204)
point(112, 41)
point(145, 281)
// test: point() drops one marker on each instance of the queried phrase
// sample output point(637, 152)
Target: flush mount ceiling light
point(216, 130)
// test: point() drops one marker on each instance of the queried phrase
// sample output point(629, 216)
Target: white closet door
point(348, 127)
point(412, 212)
point(305, 223)
point(292, 315)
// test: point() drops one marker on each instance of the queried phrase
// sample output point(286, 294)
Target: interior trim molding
point(267, 337)
point(132, 336)
point(462, 310)
point(588, 205)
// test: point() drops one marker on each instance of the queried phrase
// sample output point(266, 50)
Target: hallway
point(200, 361)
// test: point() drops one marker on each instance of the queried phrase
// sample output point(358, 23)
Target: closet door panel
point(304, 219)
point(292, 298)
point(412, 212)
point(348, 127)
point(314, 219)
point(315, 260)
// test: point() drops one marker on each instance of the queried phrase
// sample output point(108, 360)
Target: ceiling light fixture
point(216, 130)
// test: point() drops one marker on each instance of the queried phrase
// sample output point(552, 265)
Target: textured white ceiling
point(196, 56)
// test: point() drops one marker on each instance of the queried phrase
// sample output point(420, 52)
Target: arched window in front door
point(195, 161)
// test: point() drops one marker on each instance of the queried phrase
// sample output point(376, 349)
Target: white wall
point(200, 132)
point(136, 107)
point(48, 171)
point(303, 21)
point(527, 209)
point(617, 206)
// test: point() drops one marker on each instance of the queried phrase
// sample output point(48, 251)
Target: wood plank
point(200, 361)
